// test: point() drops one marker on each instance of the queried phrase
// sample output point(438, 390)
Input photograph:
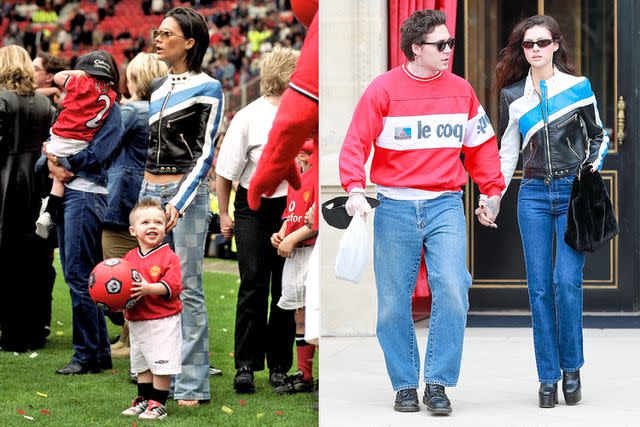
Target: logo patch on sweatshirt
point(402, 133)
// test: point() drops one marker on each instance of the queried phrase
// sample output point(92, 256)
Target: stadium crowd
point(240, 31)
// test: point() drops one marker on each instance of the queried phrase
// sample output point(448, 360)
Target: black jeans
point(259, 263)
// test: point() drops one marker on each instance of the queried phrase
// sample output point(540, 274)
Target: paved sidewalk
point(497, 386)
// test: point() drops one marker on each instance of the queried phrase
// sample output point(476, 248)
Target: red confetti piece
point(243, 403)
point(133, 424)
point(21, 412)
point(45, 412)
point(279, 413)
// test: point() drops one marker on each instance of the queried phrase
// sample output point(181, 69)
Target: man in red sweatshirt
point(420, 118)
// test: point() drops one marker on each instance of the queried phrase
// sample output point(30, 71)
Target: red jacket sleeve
point(296, 119)
point(480, 148)
point(366, 125)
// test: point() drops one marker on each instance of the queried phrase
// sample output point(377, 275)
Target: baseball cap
point(97, 64)
point(335, 213)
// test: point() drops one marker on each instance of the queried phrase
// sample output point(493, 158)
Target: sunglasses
point(541, 43)
point(440, 45)
point(164, 34)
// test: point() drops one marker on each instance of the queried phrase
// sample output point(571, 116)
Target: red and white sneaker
point(155, 411)
point(138, 406)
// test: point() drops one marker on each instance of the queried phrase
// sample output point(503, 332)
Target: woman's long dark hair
point(512, 64)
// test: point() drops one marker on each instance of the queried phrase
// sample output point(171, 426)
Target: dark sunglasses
point(541, 43)
point(442, 43)
point(164, 34)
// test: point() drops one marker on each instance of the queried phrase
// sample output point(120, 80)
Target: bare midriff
point(153, 178)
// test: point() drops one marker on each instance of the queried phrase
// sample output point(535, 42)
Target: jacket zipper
point(529, 158)
point(179, 118)
point(570, 148)
point(186, 145)
point(545, 119)
point(572, 118)
point(164, 104)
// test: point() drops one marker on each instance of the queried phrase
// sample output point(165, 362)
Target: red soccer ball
point(110, 284)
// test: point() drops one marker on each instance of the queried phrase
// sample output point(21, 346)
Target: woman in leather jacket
point(552, 115)
point(184, 114)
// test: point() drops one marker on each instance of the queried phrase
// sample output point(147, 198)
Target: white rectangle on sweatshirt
point(423, 132)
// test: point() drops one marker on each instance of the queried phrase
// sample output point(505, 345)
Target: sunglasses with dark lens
point(440, 45)
point(541, 43)
point(164, 34)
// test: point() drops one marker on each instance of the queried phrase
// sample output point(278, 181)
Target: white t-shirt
point(243, 143)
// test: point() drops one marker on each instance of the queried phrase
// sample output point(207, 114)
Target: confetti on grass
point(279, 413)
point(226, 409)
point(59, 323)
point(259, 415)
point(42, 394)
point(224, 329)
point(45, 412)
point(28, 417)
point(33, 355)
point(59, 333)
point(230, 354)
point(243, 402)
point(21, 412)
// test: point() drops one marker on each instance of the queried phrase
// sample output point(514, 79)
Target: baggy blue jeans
point(555, 291)
point(80, 250)
point(188, 240)
point(401, 229)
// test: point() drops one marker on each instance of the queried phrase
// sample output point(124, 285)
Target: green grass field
point(28, 382)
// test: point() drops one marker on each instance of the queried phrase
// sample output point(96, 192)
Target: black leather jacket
point(560, 127)
point(179, 125)
point(24, 125)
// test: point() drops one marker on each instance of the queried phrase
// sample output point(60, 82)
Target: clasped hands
point(488, 210)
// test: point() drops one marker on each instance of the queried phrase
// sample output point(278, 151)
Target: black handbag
point(591, 222)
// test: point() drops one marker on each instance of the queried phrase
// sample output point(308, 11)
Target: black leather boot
point(407, 401)
point(548, 395)
point(571, 387)
point(436, 400)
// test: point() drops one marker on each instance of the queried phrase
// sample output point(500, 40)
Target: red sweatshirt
point(420, 126)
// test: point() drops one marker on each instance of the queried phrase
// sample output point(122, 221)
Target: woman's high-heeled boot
point(548, 395)
point(571, 387)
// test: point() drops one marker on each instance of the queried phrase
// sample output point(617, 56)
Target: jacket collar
point(529, 90)
point(179, 78)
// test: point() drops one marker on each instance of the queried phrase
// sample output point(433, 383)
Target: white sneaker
point(44, 225)
point(155, 411)
point(138, 406)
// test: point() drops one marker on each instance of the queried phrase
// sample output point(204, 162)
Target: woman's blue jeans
point(188, 240)
point(401, 229)
point(555, 288)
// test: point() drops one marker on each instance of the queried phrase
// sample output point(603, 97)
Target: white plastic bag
point(353, 251)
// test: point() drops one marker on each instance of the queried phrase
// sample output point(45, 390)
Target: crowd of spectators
point(240, 31)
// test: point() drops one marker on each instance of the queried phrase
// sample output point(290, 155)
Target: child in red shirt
point(90, 96)
point(155, 328)
point(295, 241)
